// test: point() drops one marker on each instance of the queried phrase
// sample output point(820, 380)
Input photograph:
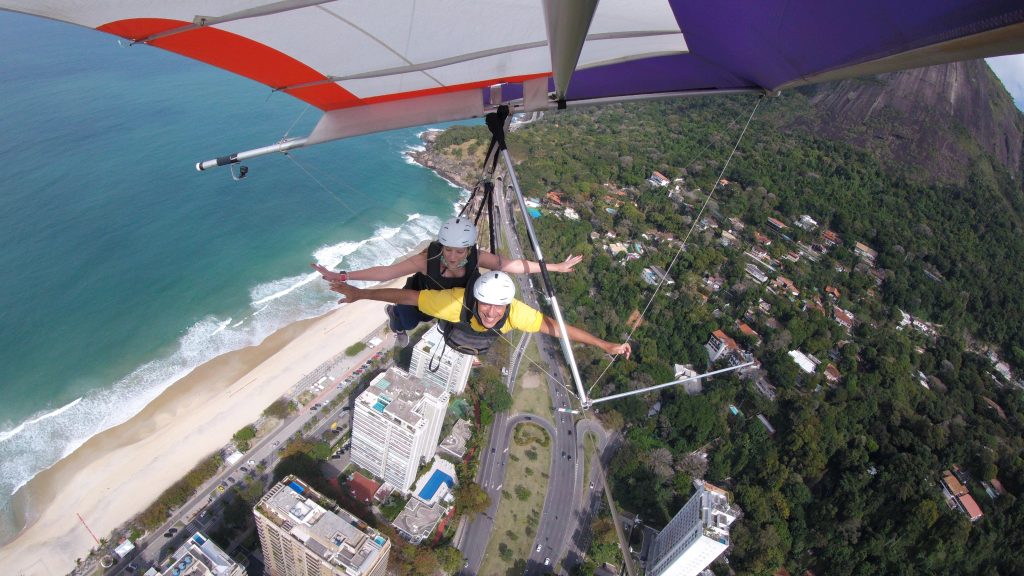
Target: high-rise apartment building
point(435, 363)
point(396, 425)
point(199, 556)
point(697, 534)
point(299, 537)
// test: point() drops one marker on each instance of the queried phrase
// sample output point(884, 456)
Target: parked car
point(547, 561)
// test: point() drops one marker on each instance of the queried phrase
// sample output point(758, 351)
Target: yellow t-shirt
point(447, 305)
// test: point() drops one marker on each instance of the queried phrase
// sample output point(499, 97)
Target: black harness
point(434, 278)
point(461, 337)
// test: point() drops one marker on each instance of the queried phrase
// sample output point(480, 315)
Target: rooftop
point(806, 362)
point(725, 340)
point(455, 442)
point(397, 394)
point(418, 518)
point(337, 537)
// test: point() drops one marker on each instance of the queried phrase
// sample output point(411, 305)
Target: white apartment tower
point(299, 537)
point(697, 535)
point(396, 425)
point(435, 363)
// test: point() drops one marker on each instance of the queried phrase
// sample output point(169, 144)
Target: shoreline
point(117, 473)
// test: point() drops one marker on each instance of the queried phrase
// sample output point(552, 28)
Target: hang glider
point(372, 66)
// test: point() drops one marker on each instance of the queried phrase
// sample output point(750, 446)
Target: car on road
point(591, 485)
point(547, 561)
point(570, 431)
point(252, 462)
point(277, 443)
point(570, 456)
point(492, 450)
point(538, 548)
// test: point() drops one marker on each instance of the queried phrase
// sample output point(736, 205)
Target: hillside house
point(786, 285)
point(748, 331)
point(806, 222)
point(843, 317)
point(832, 374)
point(720, 345)
point(754, 272)
point(865, 252)
point(658, 179)
point(806, 362)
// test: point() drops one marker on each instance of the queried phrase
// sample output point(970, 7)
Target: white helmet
point(457, 233)
point(494, 288)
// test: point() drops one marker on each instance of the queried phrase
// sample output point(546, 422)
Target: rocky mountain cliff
point(946, 120)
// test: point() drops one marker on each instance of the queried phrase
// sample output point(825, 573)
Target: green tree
point(471, 499)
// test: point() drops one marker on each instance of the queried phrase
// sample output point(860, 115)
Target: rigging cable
point(682, 246)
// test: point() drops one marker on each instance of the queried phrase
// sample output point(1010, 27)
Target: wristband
point(344, 275)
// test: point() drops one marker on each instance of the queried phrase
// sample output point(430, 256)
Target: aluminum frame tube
point(282, 146)
point(667, 384)
point(566, 344)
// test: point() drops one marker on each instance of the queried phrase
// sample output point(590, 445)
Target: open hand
point(327, 274)
point(568, 264)
point(349, 292)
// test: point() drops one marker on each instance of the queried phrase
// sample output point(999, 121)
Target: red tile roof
point(729, 342)
point(832, 373)
point(362, 487)
point(747, 330)
point(971, 507)
point(953, 484)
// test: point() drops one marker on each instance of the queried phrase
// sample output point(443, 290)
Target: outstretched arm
point(524, 266)
point(394, 295)
point(417, 263)
point(550, 327)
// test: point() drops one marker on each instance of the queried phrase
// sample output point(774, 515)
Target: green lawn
point(522, 501)
point(532, 396)
point(589, 453)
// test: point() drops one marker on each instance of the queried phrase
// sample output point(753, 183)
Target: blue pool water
point(434, 483)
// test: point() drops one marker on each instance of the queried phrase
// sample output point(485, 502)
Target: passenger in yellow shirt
point(472, 321)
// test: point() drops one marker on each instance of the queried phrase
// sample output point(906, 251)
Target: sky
point(1010, 69)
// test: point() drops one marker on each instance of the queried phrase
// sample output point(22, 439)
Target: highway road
point(565, 519)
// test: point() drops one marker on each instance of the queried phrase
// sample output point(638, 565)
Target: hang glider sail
point(372, 66)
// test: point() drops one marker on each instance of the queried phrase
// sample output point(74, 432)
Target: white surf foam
point(39, 442)
point(45, 416)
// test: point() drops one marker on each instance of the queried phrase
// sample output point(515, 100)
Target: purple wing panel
point(769, 44)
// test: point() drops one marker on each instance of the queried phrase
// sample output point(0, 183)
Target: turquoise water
point(122, 267)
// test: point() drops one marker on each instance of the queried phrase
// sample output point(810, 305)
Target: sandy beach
point(119, 472)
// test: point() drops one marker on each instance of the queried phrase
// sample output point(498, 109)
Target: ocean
point(123, 268)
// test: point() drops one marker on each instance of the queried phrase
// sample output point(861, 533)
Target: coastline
point(119, 472)
point(455, 173)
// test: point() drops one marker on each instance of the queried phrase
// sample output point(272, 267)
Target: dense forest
point(848, 483)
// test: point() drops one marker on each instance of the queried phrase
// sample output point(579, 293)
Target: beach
point(118, 473)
